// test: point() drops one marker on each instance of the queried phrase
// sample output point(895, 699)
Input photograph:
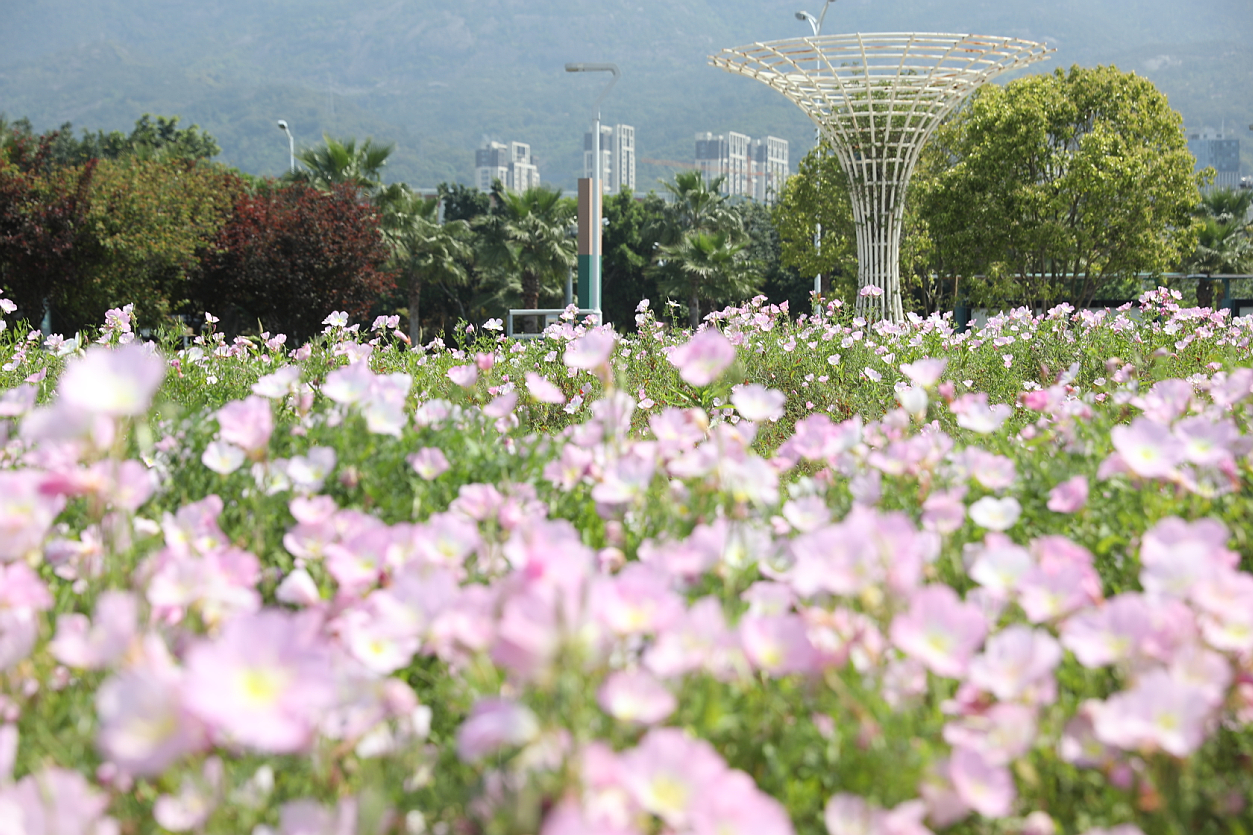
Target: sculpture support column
point(877, 99)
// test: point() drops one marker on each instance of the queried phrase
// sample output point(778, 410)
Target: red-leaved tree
point(43, 237)
point(289, 256)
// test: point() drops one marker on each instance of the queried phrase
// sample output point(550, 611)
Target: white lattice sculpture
point(877, 98)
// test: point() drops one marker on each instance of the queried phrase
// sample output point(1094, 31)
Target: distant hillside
point(435, 78)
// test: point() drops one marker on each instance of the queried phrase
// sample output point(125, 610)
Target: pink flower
point(1108, 634)
point(1158, 712)
point(309, 817)
point(144, 726)
point(350, 384)
point(1001, 734)
point(247, 423)
point(734, 805)
point(1225, 604)
point(974, 413)
point(113, 381)
point(494, 724)
point(54, 801)
point(699, 639)
point(543, 390)
point(849, 814)
point(637, 600)
point(777, 644)
point(668, 773)
point(429, 463)
point(703, 358)
point(79, 645)
point(278, 384)
point(592, 350)
point(635, 696)
point(1015, 660)
point(1070, 496)
point(264, 681)
point(939, 630)
point(197, 798)
point(1148, 448)
point(925, 372)
point(26, 513)
point(1176, 555)
point(986, 788)
point(757, 403)
point(464, 375)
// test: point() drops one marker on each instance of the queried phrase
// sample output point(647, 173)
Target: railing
point(1238, 305)
point(550, 315)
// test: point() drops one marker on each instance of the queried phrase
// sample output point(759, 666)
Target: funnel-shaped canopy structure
point(877, 98)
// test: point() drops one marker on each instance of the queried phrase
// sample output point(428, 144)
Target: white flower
point(995, 514)
point(222, 458)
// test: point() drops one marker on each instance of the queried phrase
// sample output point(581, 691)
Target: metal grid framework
point(877, 98)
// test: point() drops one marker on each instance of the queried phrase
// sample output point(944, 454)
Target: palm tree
point(700, 245)
point(705, 265)
point(1224, 239)
point(527, 235)
point(695, 205)
point(335, 162)
point(423, 249)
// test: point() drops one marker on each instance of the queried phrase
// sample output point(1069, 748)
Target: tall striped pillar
point(589, 225)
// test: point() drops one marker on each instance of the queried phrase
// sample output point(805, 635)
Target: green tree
point(526, 238)
point(779, 284)
point(700, 245)
point(818, 195)
point(335, 162)
point(1061, 184)
point(424, 250)
point(1224, 239)
point(705, 266)
point(160, 139)
point(629, 245)
point(694, 206)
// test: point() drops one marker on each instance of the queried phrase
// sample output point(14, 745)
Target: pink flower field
point(782, 575)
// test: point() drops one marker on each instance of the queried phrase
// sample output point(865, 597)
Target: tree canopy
point(1059, 183)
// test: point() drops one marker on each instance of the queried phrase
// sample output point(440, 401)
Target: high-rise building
point(1219, 151)
point(755, 168)
point(617, 157)
point(512, 164)
point(770, 168)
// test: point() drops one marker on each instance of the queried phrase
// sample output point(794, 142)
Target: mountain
point(436, 78)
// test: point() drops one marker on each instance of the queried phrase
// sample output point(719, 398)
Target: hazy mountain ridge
point(435, 78)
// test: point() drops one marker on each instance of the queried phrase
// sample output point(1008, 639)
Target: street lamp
point(594, 301)
point(815, 23)
point(291, 142)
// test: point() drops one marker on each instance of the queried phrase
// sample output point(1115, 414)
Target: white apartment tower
point(770, 168)
point(617, 157)
point(512, 164)
point(754, 168)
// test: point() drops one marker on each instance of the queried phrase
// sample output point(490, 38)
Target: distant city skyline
point(754, 168)
point(617, 157)
point(1219, 150)
point(510, 163)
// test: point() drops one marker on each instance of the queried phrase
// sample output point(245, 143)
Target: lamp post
point(594, 301)
point(291, 142)
point(816, 25)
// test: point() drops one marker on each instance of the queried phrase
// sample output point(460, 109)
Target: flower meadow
point(783, 574)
